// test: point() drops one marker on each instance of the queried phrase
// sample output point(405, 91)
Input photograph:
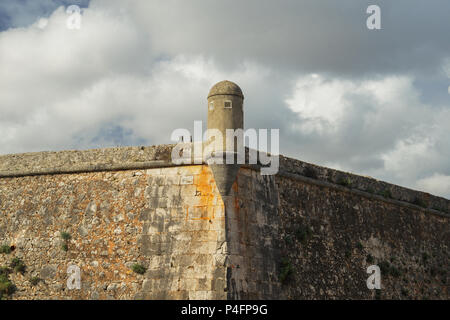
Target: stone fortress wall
point(306, 233)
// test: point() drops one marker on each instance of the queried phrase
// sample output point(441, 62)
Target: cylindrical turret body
point(225, 111)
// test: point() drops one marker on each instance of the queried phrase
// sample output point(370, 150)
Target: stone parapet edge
point(91, 168)
point(289, 167)
point(365, 194)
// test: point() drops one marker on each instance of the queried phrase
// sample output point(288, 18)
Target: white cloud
point(320, 101)
point(437, 184)
point(378, 127)
point(65, 88)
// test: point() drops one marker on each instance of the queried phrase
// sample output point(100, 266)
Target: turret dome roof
point(226, 88)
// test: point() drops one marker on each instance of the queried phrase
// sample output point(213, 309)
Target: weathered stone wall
point(146, 157)
point(253, 224)
point(331, 235)
point(73, 161)
point(363, 184)
point(307, 233)
point(170, 220)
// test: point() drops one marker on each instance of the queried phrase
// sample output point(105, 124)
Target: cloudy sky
point(373, 102)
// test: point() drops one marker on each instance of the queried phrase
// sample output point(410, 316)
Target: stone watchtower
point(225, 111)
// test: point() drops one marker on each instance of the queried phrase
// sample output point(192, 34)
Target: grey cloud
point(318, 36)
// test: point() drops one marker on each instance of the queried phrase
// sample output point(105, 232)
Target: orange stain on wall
point(205, 185)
